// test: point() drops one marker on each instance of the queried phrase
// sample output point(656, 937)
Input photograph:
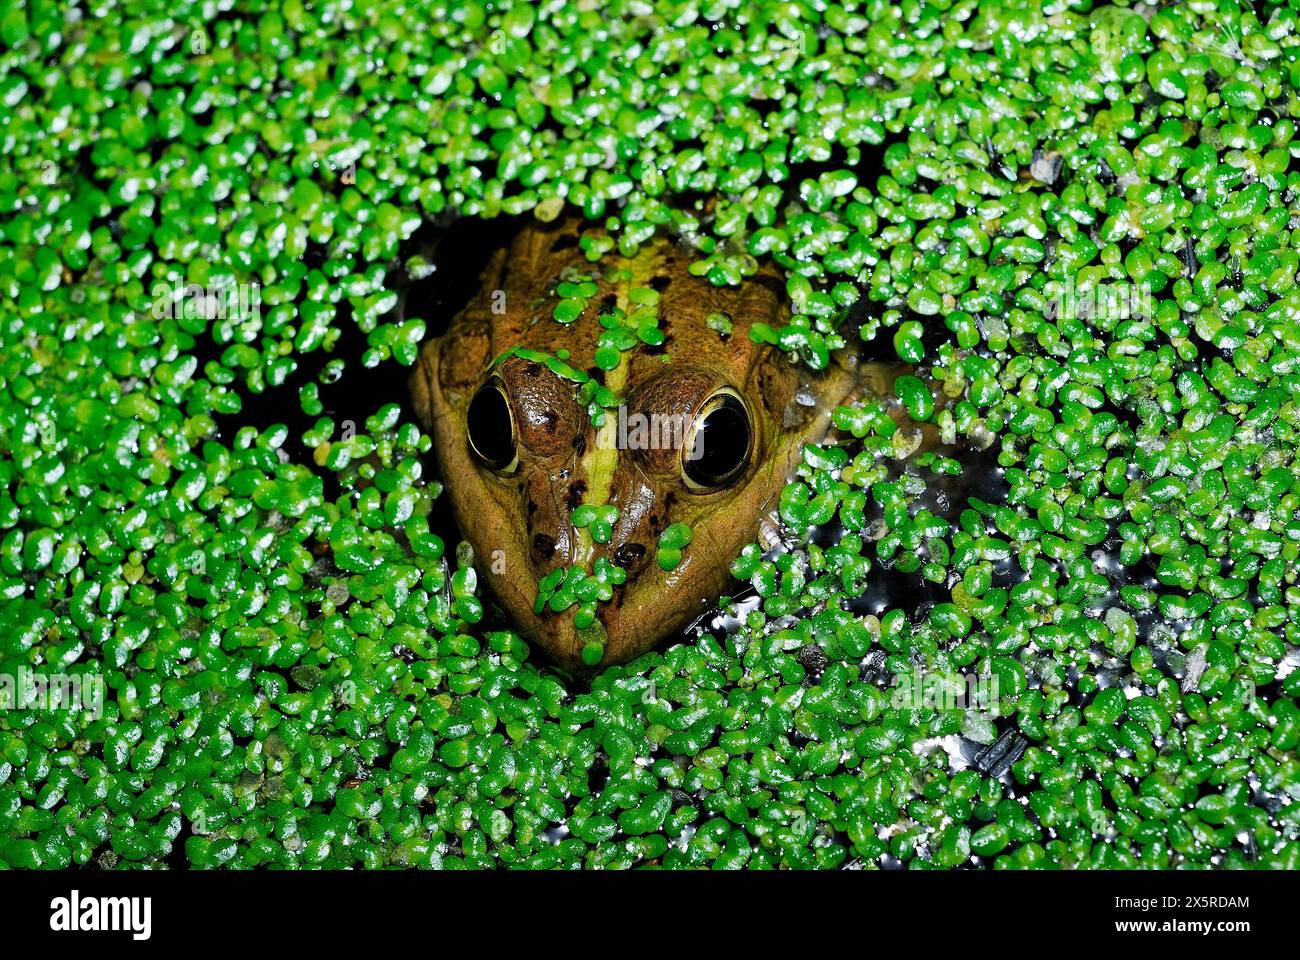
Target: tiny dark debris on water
point(996, 759)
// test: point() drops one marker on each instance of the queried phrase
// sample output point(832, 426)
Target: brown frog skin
point(518, 520)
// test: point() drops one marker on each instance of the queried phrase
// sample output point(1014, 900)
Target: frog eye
point(719, 443)
point(490, 425)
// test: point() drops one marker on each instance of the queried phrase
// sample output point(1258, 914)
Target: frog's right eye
point(490, 425)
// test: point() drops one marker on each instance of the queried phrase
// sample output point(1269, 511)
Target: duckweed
point(675, 538)
point(1078, 220)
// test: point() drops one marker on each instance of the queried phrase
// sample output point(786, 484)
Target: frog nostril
point(544, 545)
point(628, 554)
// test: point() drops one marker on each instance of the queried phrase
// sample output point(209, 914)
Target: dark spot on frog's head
point(534, 369)
point(660, 284)
point(770, 390)
point(544, 545)
point(628, 555)
point(566, 241)
point(576, 490)
point(551, 419)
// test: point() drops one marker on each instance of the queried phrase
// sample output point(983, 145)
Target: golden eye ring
point(719, 443)
point(490, 429)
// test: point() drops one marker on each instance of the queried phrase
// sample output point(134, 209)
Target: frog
point(519, 450)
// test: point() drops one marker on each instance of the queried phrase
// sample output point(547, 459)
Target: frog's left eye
point(491, 428)
point(719, 443)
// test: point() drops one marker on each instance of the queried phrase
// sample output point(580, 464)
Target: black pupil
point(723, 440)
point(489, 427)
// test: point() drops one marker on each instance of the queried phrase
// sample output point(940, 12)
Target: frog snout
point(557, 546)
point(631, 545)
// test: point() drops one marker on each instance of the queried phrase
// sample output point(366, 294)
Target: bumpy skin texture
point(561, 465)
